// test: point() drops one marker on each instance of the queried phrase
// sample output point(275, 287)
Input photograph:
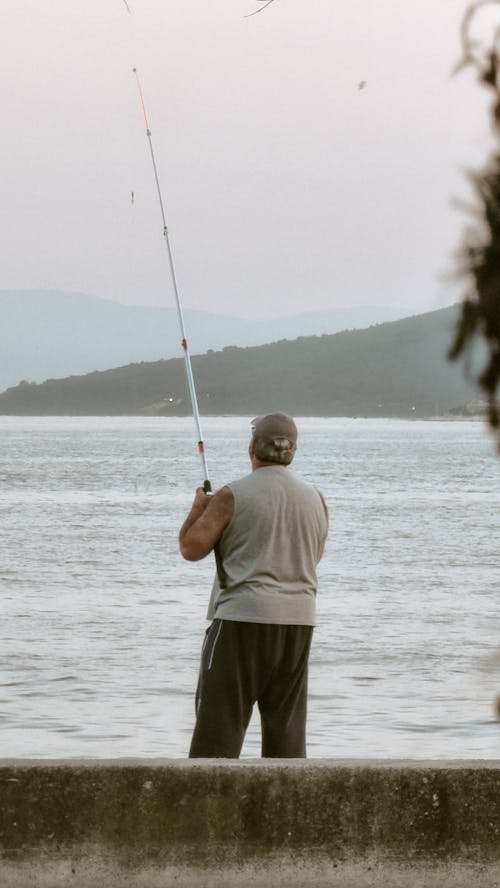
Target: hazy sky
point(286, 186)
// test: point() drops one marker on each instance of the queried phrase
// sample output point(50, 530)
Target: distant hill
point(393, 369)
point(45, 333)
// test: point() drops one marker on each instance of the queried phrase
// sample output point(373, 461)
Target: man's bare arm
point(208, 517)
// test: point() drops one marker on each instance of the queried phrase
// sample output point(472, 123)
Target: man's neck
point(257, 464)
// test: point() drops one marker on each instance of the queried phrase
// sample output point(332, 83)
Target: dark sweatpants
point(247, 663)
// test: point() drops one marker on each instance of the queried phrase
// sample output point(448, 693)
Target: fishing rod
point(207, 487)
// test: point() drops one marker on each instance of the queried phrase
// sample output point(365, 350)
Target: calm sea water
point(102, 621)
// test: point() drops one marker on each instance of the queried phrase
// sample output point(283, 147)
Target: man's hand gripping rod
point(207, 487)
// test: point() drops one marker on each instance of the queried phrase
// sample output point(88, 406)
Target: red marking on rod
point(201, 447)
point(185, 345)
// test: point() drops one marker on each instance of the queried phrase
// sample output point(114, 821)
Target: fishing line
point(250, 14)
point(207, 487)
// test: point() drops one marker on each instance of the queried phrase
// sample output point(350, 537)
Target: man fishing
point(268, 530)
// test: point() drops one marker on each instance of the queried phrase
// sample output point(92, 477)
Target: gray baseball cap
point(275, 438)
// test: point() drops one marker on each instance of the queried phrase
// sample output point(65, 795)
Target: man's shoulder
point(308, 493)
point(272, 477)
point(221, 505)
point(237, 482)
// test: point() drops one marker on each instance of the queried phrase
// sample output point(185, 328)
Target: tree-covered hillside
point(46, 333)
point(393, 369)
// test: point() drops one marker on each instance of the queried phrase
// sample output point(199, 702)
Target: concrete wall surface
point(223, 824)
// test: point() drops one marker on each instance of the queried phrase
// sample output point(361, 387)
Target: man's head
point(274, 439)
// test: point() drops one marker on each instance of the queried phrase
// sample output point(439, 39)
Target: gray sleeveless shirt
point(270, 549)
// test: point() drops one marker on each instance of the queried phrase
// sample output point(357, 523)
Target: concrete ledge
point(216, 823)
